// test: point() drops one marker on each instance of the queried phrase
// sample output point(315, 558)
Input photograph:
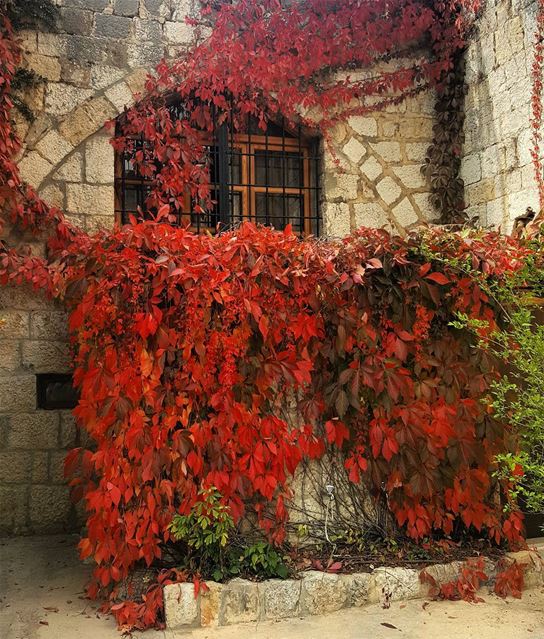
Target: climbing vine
point(187, 347)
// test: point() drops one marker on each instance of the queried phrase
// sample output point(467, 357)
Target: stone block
point(148, 30)
point(45, 66)
point(178, 32)
point(370, 214)
point(144, 54)
point(341, 186)
point(126, 7)
point(239, 602)
point(53, 147)
point(364, 125)
point(74, 73)
point(28, 40)
point(50, 508)
point(210, 604)
point(157, 8)
point(534, 566)
point(33, 168)
point(181, 607)
point(44, 356)
point(371, 168)
point(280, 598)
point(354, 150)
point(395, 584)
point(14, 324)
point(36, 431)
point(480, 192)
point(99, 161)
point(13, 509)
point(10, 355)
point(416, 151)
point(321, 593)
point(56, 467)
point(337, 219)
point(61, 98)
point(91, 200)
point(68, 429)
point(136, 80)
point(471, 169)
point(425, 206)
point(405, 213)
point(105, 75)
point(15, 466)
point(85, 49)
point(40, 467)
point(443, 573)
point(358, 587)
point(410, 176)
point(76, 21)
point(87, 119)
point(53, 194)
point(92, 5)
point(52, 44)
point(51, 325)
point(110, 26)
point(388, 189)
point(71, 170)
point(21, 298)
point(120, 96)
point(389, 151)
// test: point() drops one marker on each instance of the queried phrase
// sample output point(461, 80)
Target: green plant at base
point(207, 531)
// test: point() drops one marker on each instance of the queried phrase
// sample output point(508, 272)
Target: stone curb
point(315, 593)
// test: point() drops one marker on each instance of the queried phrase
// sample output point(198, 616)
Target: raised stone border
point(242, 601)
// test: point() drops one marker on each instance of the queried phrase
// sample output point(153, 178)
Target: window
point(269, 177)
point(55, 390)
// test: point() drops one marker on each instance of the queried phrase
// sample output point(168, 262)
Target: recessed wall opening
point(56, 391)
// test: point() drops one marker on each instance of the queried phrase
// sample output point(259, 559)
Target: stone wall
point(497, 170)
point(94, 65)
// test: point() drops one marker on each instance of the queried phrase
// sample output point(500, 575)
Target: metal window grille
point(269, 177)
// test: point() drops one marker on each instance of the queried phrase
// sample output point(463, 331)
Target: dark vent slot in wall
point(55, 391)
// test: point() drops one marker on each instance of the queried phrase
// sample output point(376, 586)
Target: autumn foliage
point(188, 348)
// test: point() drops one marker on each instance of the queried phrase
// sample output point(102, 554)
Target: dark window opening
point(56, 391)
point(269, 177)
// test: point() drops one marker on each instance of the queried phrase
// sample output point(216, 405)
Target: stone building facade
point(95, 64)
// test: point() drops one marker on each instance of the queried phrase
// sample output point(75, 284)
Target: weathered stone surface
point(110, 26)
point(34, 168)
point(92, 200)
point(239, 602)
point(389, 151)
point(40, 467)
point(10, 358)
point(388, 189)
point(410, 176)
point(51, 44)
point(68, 429)
point(178, 32)
point(321, 593)
point(44, 356)
point(53, 147)
point(53, 194)
point(74, 73)
point(71, 170)
point(13, 509)
point(76, 21)
point(126, 7)
point(341, 186)
point(358, 588)
point(394, 584)
point(45, 66)
point(364, 125)
point(93, 5)
point(50, 507)
point(369, 214)
point(34, 430)
point(14, 324)
point(86, 49)
point(181, 607)
point(337, 219)
point(120, 95)
point(61, 98)
point(280, 598)
point(210, 604)
point(99, 161)
point(471, 169)
point(416, 151)
point(354, 150)
point(15, 466)
point(405, 213)
point(371, 168)
point(49, 325)
point(104, 75)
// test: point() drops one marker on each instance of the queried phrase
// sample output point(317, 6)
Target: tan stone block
point(53, 194)
point(103, 75)
point(120, 96)
point(17, 393)
point(62, 98)
point(44, 65)
point(415, 128)
point(426, 209)
point(90, 199)
point(483, 191)
point(10, 355)
point(43, 356)
point(22, 298)
point(28, 39)
point(14, 324)
point(50, 508)
point(178, 32)
point(34, 168)
point(51, 44)
point(87, 119)
point(337, 219)
point(13, 509)
point(40, 467)
point(370, 214)
point(99, 160)
point(388, 189)
point(410, 176)
point(210, 605)
point(389, 151)
point(15, 466)
point(53, 147)
point(341, 186)
point(405, 213)
point(389, 129)
point(74, 73)
point(34, 431)
point(471, 169)
point(68, 430)
point(354, 150)
point(364, 125)
point(136, 80)
point(416, 151)
point(372, 168)
point(52, 325)
point(56, 466)
point(71, 170)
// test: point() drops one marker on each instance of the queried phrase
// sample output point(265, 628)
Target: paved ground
point(41, 597)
